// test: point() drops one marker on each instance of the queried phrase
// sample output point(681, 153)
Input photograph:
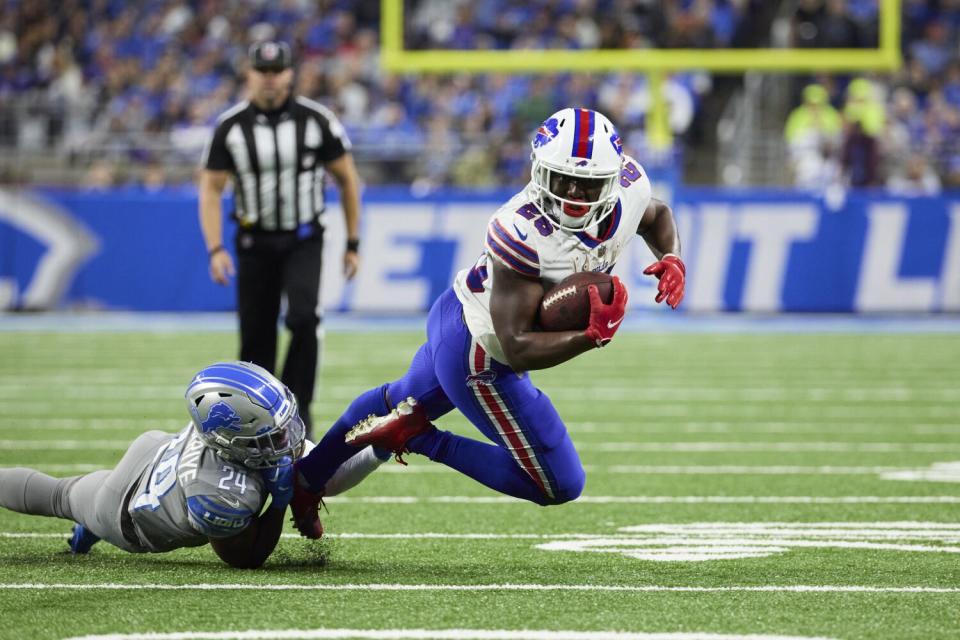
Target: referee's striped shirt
point(277, 160)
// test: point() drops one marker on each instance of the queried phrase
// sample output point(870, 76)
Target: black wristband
point(217, 249)
point(353, 244)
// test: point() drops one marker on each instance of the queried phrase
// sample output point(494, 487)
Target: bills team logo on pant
point(486, 377)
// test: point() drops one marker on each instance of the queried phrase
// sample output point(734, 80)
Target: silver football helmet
point(245, 414)
point(577, 158)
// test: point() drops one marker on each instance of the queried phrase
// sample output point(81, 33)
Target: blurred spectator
point(863, 107)
point(863, 116)
point(916, 177)
point(837, 24)
point(813, 133)
point(101, 175)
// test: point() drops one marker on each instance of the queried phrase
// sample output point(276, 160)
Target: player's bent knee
point(567, 489)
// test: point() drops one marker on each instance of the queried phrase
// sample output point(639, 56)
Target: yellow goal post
point(655, 63)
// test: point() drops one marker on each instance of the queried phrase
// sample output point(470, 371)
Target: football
point(566, 306)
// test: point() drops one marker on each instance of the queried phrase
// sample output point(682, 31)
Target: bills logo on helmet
point(617, 143)
point(547, 132)
point(221, 416)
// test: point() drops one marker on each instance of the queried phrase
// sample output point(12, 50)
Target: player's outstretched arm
point(659, 231)
point(514, 302)
point(251, 548)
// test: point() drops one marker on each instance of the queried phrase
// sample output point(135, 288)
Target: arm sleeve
point(510, 243)
point(212, 517)
point(216, 156)
point(336, 143)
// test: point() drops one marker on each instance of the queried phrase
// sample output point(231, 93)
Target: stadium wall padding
point(751, 250)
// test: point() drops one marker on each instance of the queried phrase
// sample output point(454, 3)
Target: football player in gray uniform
point(207, 483)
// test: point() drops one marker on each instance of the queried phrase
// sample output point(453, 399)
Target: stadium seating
point(110, 92)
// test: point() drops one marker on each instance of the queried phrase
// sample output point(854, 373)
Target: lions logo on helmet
point(576, 174)
point(221, 416)
point(245, 414)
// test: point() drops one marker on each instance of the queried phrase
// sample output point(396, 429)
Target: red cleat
point(305, 508)
point(393, 430)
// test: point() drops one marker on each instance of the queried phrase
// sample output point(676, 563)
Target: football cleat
point(305, 507)
point(81, 540)
point(393, 430)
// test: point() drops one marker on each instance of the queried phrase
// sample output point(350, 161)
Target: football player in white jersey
point(585, 201)
point(207, 483)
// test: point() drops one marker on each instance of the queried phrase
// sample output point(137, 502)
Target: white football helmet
point(245, 414)
point(577, 158)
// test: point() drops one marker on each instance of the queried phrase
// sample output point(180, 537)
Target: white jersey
point(521, 238)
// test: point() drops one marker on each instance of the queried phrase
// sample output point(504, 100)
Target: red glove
point(605, 319)
point(670, 270)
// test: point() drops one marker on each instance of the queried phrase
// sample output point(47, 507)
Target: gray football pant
point(95, 500)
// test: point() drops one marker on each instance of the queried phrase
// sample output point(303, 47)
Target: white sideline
point(432, 634)
point(618, 469)
point(502, 500)
point(599, 447)
point(740, 426)
point(111, 586)
point(900, 530)
point(507, 500)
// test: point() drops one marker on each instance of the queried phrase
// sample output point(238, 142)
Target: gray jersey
point(188, 494)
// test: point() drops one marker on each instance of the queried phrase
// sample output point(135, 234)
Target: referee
point(278, 149)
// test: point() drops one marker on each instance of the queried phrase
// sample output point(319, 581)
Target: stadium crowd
point(119, 85)
point(900, 131)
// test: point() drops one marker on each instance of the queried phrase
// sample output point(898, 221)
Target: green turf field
point(768, 485)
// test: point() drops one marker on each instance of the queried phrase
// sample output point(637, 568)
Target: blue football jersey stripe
point(516, 245)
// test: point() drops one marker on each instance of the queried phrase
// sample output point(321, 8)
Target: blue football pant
point(532, 456)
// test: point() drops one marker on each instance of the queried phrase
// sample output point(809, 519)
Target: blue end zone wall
point(765, 251)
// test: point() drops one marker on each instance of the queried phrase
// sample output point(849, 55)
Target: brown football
point(566, 306)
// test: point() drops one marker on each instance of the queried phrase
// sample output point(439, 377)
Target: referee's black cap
point(270, 55)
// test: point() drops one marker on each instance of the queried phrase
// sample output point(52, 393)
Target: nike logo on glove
point(235, 502)
point(611, 324)
point(523, 236)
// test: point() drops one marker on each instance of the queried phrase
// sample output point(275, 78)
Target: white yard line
point(432, 634)
point(732, 469)
point(946, 532)
point(763, 426)
point(501, 500)
point(653, 470)
point(638, 427)
point(134, 425)
point(506, 500)
point(108, 586)
point(122, 387)
point(389, 536)
point(599, 447)
point(775, 447)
